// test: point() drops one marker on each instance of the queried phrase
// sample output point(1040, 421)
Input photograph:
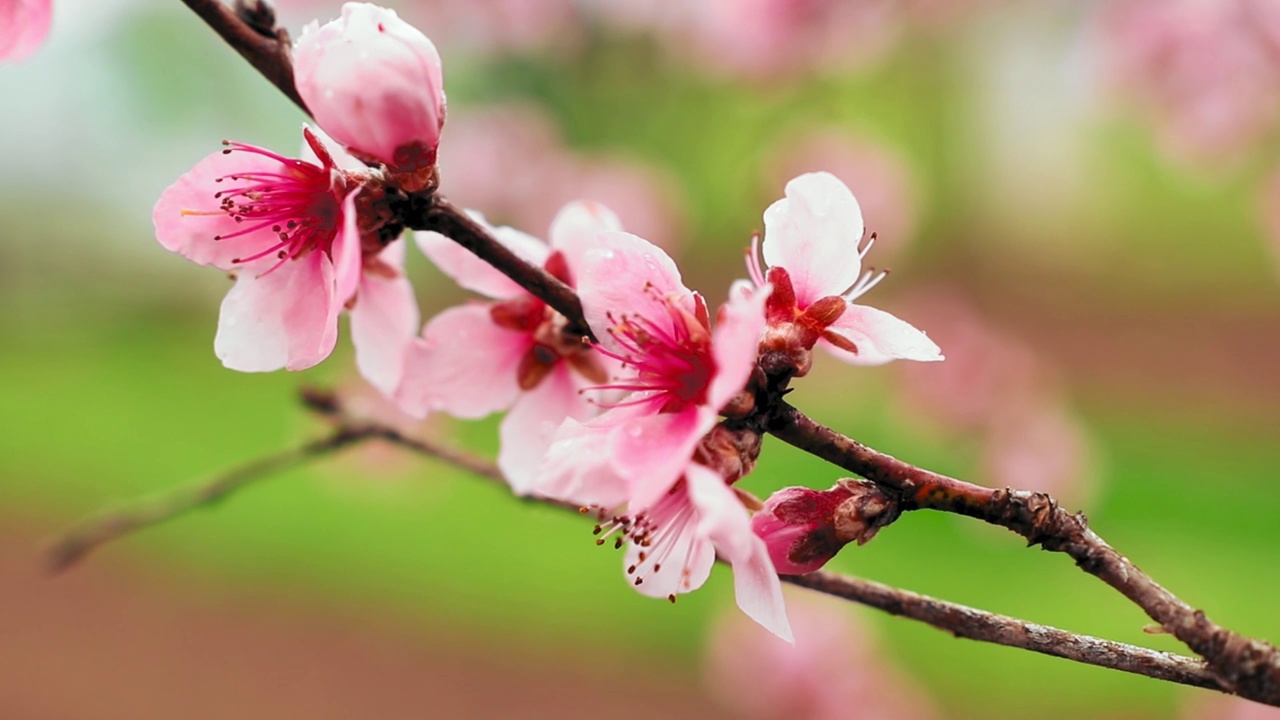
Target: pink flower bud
point(374, 83)
point(804, 528)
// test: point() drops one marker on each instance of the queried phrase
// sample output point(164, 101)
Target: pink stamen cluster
point(675, 364)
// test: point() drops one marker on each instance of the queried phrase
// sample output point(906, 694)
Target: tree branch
point(983, 626)
point(1250, 667)
point(959, 620)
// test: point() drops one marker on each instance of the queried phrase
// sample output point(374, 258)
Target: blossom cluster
point(642, 418)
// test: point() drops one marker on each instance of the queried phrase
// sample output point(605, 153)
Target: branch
point(983, 626)
point(959, 620)
point(91, 533)
point(1250, 668)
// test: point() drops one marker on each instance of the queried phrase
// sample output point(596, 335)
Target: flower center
point(672, 360)
point(295, 203)
point(658, 533)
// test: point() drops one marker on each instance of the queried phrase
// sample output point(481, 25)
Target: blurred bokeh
point(1079, 202)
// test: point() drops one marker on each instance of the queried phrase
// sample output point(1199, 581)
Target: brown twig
point(967, 622)
point(1249, 667)
point(94, 532)
point(957, 619)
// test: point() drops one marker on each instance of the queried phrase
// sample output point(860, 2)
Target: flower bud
point(374, 83)
point(804, 528)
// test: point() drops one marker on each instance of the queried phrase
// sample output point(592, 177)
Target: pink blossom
point(24, 24)
point(288, 231)
point(834, 670)
point(1208, 73)
point(679, 372)
point(813, 250)
point(513, 353)
point(374, 83)
point(640, 452)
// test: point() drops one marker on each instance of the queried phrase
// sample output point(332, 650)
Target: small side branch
point(974, 624)
point(97, 531)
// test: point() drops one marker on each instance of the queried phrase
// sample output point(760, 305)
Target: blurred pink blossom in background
point(833, 671)
point(997, 390)
point(511, 162)
point(1207, 73)
point(24, 24)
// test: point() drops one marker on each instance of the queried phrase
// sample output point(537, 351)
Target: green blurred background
point(381, 585)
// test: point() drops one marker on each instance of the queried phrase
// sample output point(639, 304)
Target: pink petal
point(464, 364)
point(347, 252)
point(723, 519)
point(578, 468)
point(683, 557)
point(24, 24)
point(383, 322)
point(526, 432)
point(575, 228)
point(735, 342)
point(192, 235)
point(814, 233)
point(286, 318)
point(475, 274)
point(652, 451)
point(880, 337)
point(626, 274)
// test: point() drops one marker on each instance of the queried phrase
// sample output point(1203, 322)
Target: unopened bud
point(730, 452)
point(374, 83)
point(804, 528)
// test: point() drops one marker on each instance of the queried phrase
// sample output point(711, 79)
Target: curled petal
point(383, 322)
point(735, 341)
point(879, 338)
point(285, 318)
point(814, 233)
point(723, 519)
point(464, 364)
point(475, 274)
point(346, 252)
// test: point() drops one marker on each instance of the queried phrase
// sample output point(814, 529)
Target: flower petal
point(814, 233)
point(578, 467)
point(576, 227)
point(680, 558)
point(187, 217)
point(383, 322)
point(464, 364)
point(880, 337)
point(287, 317)
point(651, 451)
point(24, 24)
point(475, 274)
point(346, 252)
point(723, 519)
point(527, 431)
point(735, 342)
point(627, 274)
